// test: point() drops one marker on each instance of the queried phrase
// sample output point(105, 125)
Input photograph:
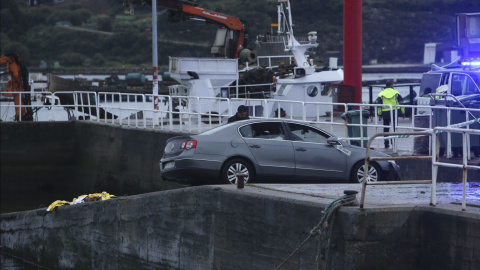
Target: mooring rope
point(349, 199)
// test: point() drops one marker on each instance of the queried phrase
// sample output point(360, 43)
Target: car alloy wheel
point(358, 173)
point(234, 167)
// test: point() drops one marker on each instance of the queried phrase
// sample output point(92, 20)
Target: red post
point(352, 47)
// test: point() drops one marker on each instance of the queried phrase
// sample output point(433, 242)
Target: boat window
point(325, 88)
point(266, 130)
point(307, 134)
point(281, 89)
point(299, 72)
point(312, 91)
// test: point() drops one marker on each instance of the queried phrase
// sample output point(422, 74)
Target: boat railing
point(178, 90)
point(267, 61)
point(196, 114)
point(263, 90)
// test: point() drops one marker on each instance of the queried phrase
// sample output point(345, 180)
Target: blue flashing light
point(472, 63)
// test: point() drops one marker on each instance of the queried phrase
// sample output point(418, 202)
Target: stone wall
point(46, 161)
point(221, 227)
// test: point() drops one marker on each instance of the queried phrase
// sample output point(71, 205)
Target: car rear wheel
point(234, 167)
point(358, 173)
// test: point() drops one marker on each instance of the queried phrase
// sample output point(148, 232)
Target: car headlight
point(392, 162)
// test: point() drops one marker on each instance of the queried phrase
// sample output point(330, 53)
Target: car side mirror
point(333, 141)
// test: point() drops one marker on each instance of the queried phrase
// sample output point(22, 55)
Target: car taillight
point(188, 145)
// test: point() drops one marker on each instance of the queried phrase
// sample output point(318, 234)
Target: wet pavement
point(448, 195)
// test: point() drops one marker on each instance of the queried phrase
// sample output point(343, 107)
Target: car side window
point(268, 130)
point(307, 134)
point(463, 85)
point(471, 88)
point(246, 131)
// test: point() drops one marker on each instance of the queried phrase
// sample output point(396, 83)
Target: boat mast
point(155, 58)
point(298, 50)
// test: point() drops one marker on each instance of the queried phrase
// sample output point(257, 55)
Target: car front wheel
point(358, 174)
point(234, 167)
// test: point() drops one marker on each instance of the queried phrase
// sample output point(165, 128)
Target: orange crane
point(231, 38)
point(18, 86)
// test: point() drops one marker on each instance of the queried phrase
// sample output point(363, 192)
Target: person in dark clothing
point(242, 114)
point(427, 92)
point(283, 113)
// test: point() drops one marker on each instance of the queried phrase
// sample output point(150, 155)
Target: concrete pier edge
point(257, 227)
point(205, 227)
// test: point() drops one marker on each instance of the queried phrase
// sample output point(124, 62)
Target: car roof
point(457, 70)
point(279, 120)
point(262, 120)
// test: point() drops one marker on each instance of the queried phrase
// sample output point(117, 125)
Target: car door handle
point(301, 149)
point(255, 146)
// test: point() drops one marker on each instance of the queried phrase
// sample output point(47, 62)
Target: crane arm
point(185, 9)
point(225, 20)
point(190, 9)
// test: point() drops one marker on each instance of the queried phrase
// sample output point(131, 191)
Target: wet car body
point(268, 150)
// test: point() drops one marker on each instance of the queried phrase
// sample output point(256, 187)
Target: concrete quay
point(211, 227)
point(45, 161)
point(258, 227)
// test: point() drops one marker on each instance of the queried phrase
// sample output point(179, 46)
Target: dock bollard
point(241, 180)
point(350, 192)
point(351, 199)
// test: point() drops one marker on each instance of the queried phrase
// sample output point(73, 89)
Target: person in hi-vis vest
point(389, 96)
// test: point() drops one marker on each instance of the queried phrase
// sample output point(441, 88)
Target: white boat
point(214, 81)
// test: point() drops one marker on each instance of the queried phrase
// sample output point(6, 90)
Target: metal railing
point(368, 159)
point(197, 114)
point(435, 162)
point(464, 166)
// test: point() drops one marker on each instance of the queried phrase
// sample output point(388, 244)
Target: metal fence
point(196, 114)
point(435, 162)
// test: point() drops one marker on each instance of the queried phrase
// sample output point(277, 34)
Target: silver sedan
point(269, 150)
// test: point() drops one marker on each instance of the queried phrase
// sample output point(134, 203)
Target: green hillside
point(100, 35)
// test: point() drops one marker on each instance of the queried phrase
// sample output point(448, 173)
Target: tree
point(17, 48)
point(71, 59)
point(104, 23)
